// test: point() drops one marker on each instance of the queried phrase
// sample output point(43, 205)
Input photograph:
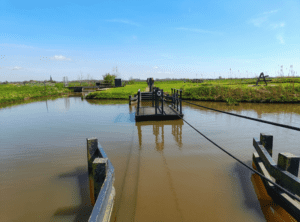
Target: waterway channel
point(165, 171)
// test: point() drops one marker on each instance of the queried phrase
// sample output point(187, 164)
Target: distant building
point(50, 78)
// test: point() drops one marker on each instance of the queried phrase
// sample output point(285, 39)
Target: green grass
point(234, 91)
point(16, 92)
point(231, 91)
point(73, 84)
point(118, 93)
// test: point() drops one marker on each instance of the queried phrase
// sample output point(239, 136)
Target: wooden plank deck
point(147, 113)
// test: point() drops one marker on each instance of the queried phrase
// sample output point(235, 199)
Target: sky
point(159, 39)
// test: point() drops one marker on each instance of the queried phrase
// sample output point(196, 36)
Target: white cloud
point(17, 68)
point(270, 12)
point(164, 72)
point(281, 39)
point(155, 67)
point(60, 58)
point(198, 30)
point(262, 18)
point(278, 25)
point(259, 21)
point(124, 21)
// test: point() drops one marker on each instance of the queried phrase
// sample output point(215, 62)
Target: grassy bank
point(231, 95)
point(234, 91)
point(118, 93)
point(16, 92)
point(231, 91)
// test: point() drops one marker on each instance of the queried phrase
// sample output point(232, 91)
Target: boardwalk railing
point(101, 180)
point(285, 173)
point(177, 99)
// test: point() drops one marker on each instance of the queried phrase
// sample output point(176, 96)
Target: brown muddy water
point(165, 171)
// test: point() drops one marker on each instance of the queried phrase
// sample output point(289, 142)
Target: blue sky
point(160, 39)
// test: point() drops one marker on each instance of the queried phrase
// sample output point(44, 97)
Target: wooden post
point(155, 92)
point(162, 102)
point(177, 99)
point(138, 105)
point(99, 167)
point(289, 162)
point(129, 100)
point(267, 141)
point(180, 102)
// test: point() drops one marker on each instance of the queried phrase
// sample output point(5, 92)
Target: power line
point(247, 117)
point(231, 155)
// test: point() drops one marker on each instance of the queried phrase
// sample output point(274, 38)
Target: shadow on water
point(82, 211)
point(244, 176)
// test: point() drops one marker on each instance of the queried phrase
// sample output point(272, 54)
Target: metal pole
point(152, 98)
point(180, 102)
point(162, 102)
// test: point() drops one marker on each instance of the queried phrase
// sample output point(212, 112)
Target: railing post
point(138, 105)
point(162, 102)
point(180, 102)
point(96, 168)
point(289, 162)
point(152, 98)
point(177, 99)
point(267, 141)
point(155, 92)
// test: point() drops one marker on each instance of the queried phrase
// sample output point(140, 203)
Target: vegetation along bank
point(231, 91)
point(17, 92)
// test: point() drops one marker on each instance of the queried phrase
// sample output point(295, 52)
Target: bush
point(108, 78)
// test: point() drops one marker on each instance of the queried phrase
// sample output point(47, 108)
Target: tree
point(109, 78)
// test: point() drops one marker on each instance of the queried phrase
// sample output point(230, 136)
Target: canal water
point(165, 171)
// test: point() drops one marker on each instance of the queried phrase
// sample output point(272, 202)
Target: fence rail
point(101, 180)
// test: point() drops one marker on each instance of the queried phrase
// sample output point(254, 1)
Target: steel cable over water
point(245, 165)
point(246, 117)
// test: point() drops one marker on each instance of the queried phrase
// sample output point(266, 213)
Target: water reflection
point(271, 210)
point(159, 132)
point(82, 211)
point(67, 103)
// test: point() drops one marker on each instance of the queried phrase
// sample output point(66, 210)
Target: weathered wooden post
point(162, 102)
point(138, 105)
point(267, 141)
point(96, 168)
point(155, 91)
point(180, 102)
point(177, 99)
point(288, 162)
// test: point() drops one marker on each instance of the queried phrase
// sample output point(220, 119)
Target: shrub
point(108, 78)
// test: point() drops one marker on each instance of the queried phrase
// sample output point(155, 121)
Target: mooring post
point(129, 100)
point(180, 102)
point(267, 141)
point(162, 102)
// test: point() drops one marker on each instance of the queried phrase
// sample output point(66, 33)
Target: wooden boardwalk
point(147, 113)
